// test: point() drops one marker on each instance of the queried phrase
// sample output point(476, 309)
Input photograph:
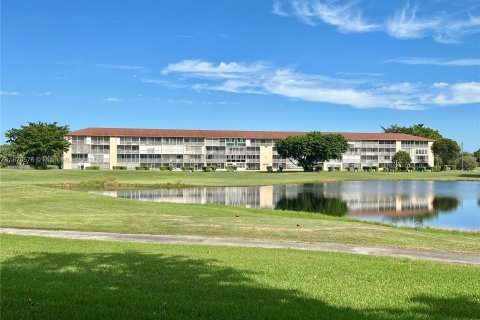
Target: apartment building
point(248, 150)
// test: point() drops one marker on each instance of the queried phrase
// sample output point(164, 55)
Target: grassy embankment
point(45, 278)
point(26, 202)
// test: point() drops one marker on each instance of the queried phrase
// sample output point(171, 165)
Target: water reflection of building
point(373, 198)
point(389, 199)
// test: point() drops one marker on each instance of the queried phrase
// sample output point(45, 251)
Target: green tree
point(8, 156)
point(43, 143)
point(469, 162)
point(418, 130)
point(402, 159)
point(446, 149)
point(312, 148)
point(476, 154)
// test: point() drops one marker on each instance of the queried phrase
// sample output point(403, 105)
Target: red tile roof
point(172, 133)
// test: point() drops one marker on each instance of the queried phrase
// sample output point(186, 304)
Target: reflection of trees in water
point(445, 204)
point(311, 202)
point(440, 204)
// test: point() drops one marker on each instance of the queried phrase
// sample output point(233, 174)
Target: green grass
point(27, 204)
point(44, 278)
point(241, 178)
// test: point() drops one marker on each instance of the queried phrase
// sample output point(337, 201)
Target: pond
point(452, 205)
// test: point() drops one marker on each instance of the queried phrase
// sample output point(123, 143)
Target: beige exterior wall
point(431, 157)
point(113, 152)
point(398, 146)
point(266, 157)
point(67, 156)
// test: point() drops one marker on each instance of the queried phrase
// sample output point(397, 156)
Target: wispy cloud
point(444, 28)
point(469, 62)
point(9, 93)
point(287, 82)
point(113, 99)
point(120, 67)
point(458, 93)
point(346, 17)
point(406, 25)
point(211, 70)
point(445, 25)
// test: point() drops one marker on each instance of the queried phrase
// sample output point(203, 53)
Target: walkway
point(252, 243)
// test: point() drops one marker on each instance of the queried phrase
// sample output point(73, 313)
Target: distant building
point(250, 150)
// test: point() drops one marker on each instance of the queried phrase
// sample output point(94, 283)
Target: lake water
point(452, 205)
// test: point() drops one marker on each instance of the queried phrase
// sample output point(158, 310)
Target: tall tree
point(446, 149)
point(476, 154)
point(312, 148)
point(401, 158)
point(418, 130)
point(42, 143)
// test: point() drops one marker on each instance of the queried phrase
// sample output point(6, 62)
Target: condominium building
point(248, 150)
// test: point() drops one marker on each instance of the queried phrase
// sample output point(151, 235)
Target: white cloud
point(405, 24)
point(454, 31)
point(358, 93)
point(347, 18)
point(44, 94)
point(211, 70)
point(278, 9)
point(120, 67)
point(438, 61)
point(448, 23)
point(180, 101)
point(459, 93)
point(113, 99)
point(9, 93)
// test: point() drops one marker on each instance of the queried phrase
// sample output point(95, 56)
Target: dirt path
point(253, 243)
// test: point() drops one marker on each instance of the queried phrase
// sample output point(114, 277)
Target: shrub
point(270, 169)
point(231, 168)
point(187, 169)
point(169, 168)
point(319, 168)
point(209, 169)
point(330, 169)
point(119, 167)
point(447, 167)
point(374, 168)
point(92, 168)
point(469, 163)
point(366, 168)
point(142, 168)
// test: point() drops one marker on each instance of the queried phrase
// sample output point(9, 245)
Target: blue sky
point(248, 65)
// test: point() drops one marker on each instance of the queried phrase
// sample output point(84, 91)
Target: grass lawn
point(26, 204)
point(241, 178)
point(44, 278)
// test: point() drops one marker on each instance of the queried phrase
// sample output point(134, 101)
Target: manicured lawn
point(45, 278)
point(24, 204)
point(220, 178)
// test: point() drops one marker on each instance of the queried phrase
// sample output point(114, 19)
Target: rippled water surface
point(453, 205)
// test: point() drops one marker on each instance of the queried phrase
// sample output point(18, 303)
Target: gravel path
point(461, 258)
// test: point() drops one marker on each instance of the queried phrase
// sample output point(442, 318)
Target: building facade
point(248, 150)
